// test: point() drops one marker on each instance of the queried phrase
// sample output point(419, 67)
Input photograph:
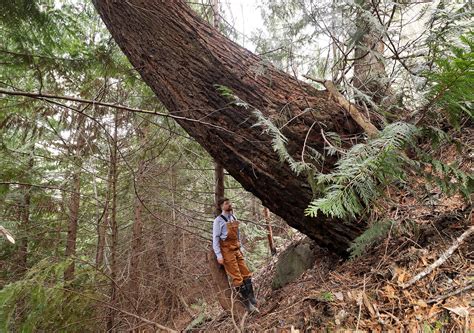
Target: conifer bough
point(183, 60)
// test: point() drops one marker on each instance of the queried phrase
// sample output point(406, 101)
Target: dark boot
point(243, 292)
point(249, 287)
point(244, 295)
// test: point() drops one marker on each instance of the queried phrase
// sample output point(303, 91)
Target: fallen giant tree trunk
point(183, 59)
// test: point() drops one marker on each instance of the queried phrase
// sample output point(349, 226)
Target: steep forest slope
point(375, 292)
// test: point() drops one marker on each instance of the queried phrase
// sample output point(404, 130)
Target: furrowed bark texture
point(182, 58)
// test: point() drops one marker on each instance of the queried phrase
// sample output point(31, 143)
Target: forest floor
point(369, 293)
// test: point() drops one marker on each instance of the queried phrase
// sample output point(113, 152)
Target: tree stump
point(226, 295)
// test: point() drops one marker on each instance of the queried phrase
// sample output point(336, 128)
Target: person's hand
point(220, 261)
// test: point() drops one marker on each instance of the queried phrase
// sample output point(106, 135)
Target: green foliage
point(374, 233)
point(326, 296)
point(225, 92)
point(360, 176)
point(231, 97)
point(196, 322)
point(447, 21)
point(452, 83)
point(437, 326)
point(448, 177)
point(279, 142)
point(362, 173)
point(41, 302)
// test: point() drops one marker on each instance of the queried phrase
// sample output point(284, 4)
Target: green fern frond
point(361, 174)
point(279, 142)
point(373, 234)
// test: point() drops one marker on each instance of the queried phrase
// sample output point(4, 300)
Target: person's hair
point(218, 209)
point(221, 201)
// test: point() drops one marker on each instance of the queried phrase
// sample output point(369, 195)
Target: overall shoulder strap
point(225, 219)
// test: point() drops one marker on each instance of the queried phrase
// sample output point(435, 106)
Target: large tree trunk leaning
point(182, 59)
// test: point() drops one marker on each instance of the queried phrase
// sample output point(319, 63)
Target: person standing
point(227, 248)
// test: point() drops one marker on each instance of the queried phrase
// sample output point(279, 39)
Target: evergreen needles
point(362, 173)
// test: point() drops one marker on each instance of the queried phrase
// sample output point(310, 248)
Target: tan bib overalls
point(234, 263)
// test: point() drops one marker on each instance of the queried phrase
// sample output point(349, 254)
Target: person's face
point(226, 206)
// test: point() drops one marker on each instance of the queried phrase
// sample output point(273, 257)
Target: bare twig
point(330, 144)
point(379, 318)
point(305, 140)
point(242, 321)
point(47, 97)
point(30, 55)
point(4, 232)
point(360, 301)
point(320, 81)
point(392, 316)
point(441, 259)
point(453, 293)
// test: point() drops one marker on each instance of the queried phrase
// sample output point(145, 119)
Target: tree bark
point(136, 243)
point(218, 168)
point(75, 198)
point(24, 217)
point(218, 186)
point(103, 224)
point(113, 230)
point(182, 59)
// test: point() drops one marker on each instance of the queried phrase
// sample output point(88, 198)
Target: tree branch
point(46, 97)
point(442, 258)
point(358, 117)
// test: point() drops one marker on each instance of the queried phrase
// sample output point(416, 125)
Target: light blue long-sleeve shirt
point(219, 232)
